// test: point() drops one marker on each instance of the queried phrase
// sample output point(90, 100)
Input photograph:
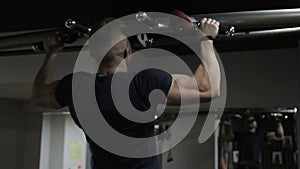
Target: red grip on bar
point(181, 15)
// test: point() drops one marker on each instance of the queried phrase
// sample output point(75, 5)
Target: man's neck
point(110, 71)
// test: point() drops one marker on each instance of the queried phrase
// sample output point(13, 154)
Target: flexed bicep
point(186, 93)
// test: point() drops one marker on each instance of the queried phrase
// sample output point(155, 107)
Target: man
point(251, 141)
point(57, 94)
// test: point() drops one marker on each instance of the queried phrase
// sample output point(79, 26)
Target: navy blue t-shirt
point(251, 144)
point(140, 87)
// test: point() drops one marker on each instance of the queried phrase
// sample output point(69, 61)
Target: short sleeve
point(63, 92)
point(150, 79)
point(144, 83)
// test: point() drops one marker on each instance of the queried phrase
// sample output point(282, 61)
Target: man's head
point(117, 53)
point(251, 122)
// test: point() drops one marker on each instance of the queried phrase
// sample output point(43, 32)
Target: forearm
point(208, 75)
point(279, 131)
point(43, 78)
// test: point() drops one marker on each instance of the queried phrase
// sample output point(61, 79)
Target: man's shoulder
point(153, 73)
point(68, 79)
point(261, 131)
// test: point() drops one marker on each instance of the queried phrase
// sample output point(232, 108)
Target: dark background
point(26, 15)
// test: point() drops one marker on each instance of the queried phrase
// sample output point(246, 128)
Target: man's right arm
point(43, 89)
point(207, 74)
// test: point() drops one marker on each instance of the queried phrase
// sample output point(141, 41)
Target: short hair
point(110, 56)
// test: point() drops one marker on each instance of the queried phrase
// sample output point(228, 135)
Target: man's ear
point(127, 52)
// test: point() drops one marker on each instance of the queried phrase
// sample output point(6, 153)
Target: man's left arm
point(278, 134)
point(207, 74)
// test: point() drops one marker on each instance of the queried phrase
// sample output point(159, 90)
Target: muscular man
point(251, 141)
point(58, 94)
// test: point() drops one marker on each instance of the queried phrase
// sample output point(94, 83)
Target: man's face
point(252, 122)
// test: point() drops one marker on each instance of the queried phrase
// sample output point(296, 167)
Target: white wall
point(63, 145)
point(75, 146)
point(52, 141)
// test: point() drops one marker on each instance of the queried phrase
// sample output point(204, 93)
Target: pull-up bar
point(247, 24)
